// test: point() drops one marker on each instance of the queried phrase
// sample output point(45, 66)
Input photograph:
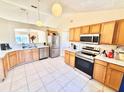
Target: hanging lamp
point(57, 9)
point(39, 22)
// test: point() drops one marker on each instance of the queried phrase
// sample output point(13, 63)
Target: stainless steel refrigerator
point(54, 43)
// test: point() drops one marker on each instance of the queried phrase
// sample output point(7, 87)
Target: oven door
point(84, 65)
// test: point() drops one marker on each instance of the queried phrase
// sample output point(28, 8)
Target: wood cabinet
point(12, 59)
point(114, 76)
point(109, 74)
point(67, 57)
point(27, 55)
point(6, 65)
point(74, 34)
point(77, 34)
point(119, 35)
point(35, 54)
point(70, 58)
point(107, 32)
point(71, 34)
point(95, 29)
point(85, 30)
point(99, 73)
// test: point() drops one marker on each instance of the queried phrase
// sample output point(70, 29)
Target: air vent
point(34, 6)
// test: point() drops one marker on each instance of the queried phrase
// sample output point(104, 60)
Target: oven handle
point(90, 60)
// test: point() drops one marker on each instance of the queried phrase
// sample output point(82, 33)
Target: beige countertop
point(110, 60)
point(72, 50)
point(3, 53)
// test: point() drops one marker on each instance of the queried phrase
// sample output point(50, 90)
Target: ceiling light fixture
point(57, 9)
point(38, 22)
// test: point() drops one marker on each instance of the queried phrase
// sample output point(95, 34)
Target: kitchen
point(43, 53)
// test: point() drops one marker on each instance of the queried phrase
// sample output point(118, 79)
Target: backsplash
point(102, 47)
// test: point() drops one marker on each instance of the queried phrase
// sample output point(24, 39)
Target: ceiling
point(10, 9)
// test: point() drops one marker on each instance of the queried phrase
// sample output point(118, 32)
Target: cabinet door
point(72, 59)
point(67, 57)
point(114, 76)
point(95, 29)
point(85, 30)
point(99, 72)
point(77, 34)
point(114, 79)
point(120, 33)
point(71, 34)
point(107, 32)
point(35, 54)
point(12, 59)
point(6, 65)
point(27, 55)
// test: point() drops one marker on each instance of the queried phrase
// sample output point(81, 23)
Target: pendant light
point(57, 9)
point(38, 22)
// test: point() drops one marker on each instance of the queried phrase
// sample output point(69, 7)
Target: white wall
point(7, 34)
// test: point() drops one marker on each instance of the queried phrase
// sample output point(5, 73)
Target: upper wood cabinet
point(114, 76)
point(74, 34)
point(119, 35)
point(85, 29)
point(77, 34)
point(71, 34)
point(95, 29)
point(107, 32)
point(100, 68)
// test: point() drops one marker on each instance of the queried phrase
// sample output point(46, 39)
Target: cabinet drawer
point(116, 67)
point(101, 62)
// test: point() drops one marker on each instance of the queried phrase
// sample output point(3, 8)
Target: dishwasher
point(44, 52)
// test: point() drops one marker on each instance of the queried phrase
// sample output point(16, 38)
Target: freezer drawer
point(54, 52)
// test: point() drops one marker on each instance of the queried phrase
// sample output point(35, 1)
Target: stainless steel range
point(85, 60)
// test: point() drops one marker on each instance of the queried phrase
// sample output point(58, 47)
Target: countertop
point(106, 59)
point(3, 53)
point(110, 60)
point(72, 50)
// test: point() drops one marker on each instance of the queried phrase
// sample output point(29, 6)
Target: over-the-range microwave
point(90, 38)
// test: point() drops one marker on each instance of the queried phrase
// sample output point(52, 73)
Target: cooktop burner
point(89, 54)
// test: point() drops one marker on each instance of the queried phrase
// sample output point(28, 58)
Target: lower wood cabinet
point(35, 54)
point(70, 58)
point(13, 58)
point(114, 76)
point(6, 65)
point(109, 74)
point(67, 57)
point(27, 56)
point(100, 69)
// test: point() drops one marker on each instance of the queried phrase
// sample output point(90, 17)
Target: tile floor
point(49, 75)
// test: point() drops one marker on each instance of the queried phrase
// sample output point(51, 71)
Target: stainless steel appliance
point(90, 38)
point(5, 46)
point(85, 60)
point(44, 52)
point(54, 43)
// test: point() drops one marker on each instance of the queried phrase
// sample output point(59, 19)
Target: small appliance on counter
point(120, 52)
point(73, 46)
point(5, 46)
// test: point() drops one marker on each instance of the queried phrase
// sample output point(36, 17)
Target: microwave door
point(86, 39)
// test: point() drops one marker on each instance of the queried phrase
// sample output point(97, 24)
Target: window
point(22, 39)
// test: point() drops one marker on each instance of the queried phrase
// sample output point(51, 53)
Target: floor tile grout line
point(40, 79)
point(26, 77)
point(11, 80)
